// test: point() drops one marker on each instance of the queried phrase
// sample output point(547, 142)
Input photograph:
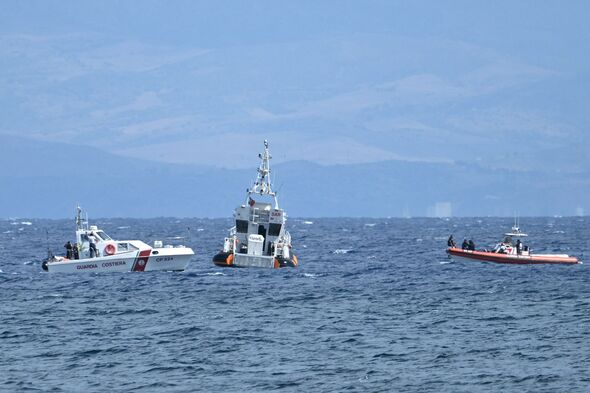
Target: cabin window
point(122, 247)
point(274, 229)
point(242, 226)
point(103, 236)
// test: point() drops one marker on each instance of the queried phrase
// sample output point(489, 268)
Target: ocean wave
point(325, 325)
point(342, 251)
point(311, 275)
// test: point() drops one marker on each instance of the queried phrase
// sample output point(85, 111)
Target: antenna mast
point(263, 184)
point(79, 220)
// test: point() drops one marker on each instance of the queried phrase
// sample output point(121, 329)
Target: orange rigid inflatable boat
point(509, 251)
point(489, 256)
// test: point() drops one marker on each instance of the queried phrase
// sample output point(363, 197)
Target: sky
point(499, 84)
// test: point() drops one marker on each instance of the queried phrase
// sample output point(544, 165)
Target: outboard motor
point(46, 260)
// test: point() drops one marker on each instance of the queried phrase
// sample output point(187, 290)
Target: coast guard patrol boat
point(95, 251)
point(259, 238)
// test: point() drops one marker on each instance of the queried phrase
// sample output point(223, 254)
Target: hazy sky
point(500, 84)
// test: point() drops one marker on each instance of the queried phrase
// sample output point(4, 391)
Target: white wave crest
point(341, 251)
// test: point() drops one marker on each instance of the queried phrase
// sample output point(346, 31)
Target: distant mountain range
point(377, 108)
point(39, 179)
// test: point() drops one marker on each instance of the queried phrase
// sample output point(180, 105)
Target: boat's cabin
point(98, 234)
point(513, 243)
point(258, 226)
point(104, 245)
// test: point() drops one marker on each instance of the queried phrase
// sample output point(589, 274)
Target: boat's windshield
point(103, 235)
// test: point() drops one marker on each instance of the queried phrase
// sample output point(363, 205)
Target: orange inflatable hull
point(485, 256)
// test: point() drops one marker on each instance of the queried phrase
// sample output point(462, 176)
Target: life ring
point(110, 249)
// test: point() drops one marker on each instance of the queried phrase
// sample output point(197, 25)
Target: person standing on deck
point(92, 246)
point(518, 247)
point(465, 245)
point(451, 242)
point(68, 247)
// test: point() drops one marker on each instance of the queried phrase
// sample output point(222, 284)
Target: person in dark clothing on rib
point(451, 242)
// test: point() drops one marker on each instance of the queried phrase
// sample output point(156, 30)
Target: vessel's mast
point(516, 227)
point(263, 185)
point(79, 220)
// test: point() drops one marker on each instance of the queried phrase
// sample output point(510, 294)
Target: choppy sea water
point(375, 305)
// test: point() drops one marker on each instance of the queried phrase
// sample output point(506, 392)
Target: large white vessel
point(259, 238)
point(95, 251)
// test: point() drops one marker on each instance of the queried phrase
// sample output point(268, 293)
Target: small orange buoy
point(230, 259)
point(295, 261)
point(277, 264)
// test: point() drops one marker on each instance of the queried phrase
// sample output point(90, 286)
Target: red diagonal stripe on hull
point(141, 261)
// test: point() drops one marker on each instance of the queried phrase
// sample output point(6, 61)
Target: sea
point(375, 306)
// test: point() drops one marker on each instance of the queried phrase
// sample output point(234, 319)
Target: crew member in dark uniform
point(76, 252)
point(451, 242)
point(518, 247)
point(471, 245)
point(465, 245)
point(68, 247)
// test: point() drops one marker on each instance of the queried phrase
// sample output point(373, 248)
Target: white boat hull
point(169, 259)
point(244, 260)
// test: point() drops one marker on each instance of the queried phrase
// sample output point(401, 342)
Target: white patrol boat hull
point(168, 259)
point(243, 260)
point(226, 259)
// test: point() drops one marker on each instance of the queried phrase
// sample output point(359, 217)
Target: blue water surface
point(375, 305)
